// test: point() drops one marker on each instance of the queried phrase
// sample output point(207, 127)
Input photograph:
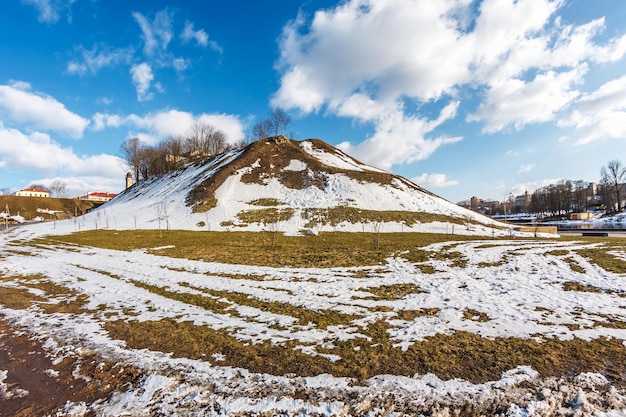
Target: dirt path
point(35, 384)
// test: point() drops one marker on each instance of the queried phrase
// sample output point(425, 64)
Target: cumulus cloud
point(599, 114)
point(434, 181)
point(155, 126)
point(399, 138)
point(22, 105)
point(100, 56)
point(364, 59)
point(39, 152)
point(515, 103)
point(142, 78)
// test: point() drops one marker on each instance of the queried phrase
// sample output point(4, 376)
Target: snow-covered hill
point(288, 186)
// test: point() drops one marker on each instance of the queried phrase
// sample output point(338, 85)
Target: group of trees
point(561, 198)
point(575, 196)
point(203, 141)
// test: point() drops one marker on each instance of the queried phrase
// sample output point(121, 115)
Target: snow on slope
point(163, 202)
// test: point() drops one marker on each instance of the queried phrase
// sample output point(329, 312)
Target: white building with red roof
point(98, 196)
point(33, 192)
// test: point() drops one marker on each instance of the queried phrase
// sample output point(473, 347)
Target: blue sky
point(464, 97)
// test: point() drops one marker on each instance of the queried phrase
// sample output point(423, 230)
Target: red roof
point(38, 190)
point(101, 194)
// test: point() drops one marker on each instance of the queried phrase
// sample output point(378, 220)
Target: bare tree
point(58, 188)
point(613, 175)
point(280, 121)
point(261, 130)
point(131, 151)
point(276, 123)
point(205, 140)
point(173, 149)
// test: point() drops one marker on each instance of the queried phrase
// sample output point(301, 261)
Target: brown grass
point(27, 206)
point(475, 315)
point(326, 250)
point(392, 292)
point(265, 216)
point(603, 259)
point(461, 355)
point(56, 299)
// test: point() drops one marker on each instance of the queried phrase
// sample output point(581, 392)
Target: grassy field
point(457, 355)
point(323, 251)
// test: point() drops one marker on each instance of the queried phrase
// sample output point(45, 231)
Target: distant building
point(522, 202)
point(488, 207)
point(98, 196)
point(33, 192)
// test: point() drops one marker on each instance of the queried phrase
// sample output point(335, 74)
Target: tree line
point(575, 196)
point(201, 142)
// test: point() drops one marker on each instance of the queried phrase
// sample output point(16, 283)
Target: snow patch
point(295, 165)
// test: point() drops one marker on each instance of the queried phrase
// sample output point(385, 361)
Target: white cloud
point(22, 105)
point(600, 114)
point(39, 152)
point(181, 64)
point(99, 57)
point(188, 34)
point(101, 121)
point(526, 168)
point(152, 127)
point(142, 78)
point(434, 180)
point(364, 59)
point(199, 36)
point(516, 103)
point(49, 10)
point(156, 34)
point(399, 138)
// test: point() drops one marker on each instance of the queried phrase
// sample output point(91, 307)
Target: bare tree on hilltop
point(612, 175)
point(276, 123)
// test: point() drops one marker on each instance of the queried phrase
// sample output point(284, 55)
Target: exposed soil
point(37, 385)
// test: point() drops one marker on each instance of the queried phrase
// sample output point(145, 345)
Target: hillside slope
point(31, 207)
point(289, 186)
